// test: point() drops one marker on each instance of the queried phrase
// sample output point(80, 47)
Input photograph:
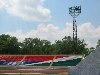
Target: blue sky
point(46, 18)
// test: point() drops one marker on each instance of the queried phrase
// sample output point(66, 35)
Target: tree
point(65, 46)
point(36, 46)
point(98, 43)
point(8, 44)
point(46, 47)
point(27, 46)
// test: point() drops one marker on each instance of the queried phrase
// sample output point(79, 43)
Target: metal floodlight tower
point(74, 12)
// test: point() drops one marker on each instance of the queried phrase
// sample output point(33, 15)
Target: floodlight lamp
point(75, 11)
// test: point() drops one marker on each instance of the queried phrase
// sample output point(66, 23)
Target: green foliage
point(65, 46)
point(8, 44)
point(98, 43)
point(36, 46)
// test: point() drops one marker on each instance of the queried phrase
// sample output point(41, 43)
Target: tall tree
point(46, 47)
point(32, 46)
point(8, 44)
point(65, 46)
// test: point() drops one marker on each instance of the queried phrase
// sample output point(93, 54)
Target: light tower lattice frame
point(74, 12)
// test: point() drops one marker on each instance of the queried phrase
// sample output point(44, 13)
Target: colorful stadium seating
point(41, 60)
point(10, 60)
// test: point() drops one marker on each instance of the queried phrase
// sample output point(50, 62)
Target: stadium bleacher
point(39, 60)
point(10, 60)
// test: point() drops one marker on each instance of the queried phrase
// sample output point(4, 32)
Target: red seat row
point(28, 58)
point(38, 58)
point(11, 58)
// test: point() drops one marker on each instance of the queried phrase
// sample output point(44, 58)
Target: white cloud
point(26, 9)
point(52, 32)
point(90, 33)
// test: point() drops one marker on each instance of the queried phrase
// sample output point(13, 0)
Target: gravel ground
point(89, 66)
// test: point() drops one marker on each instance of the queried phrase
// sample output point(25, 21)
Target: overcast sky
point(49, 19)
